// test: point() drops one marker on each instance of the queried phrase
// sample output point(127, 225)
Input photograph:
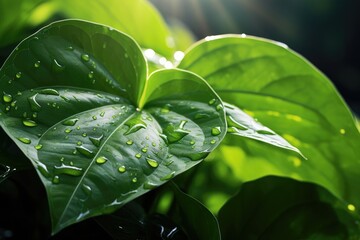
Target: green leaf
point(289, 95)
point(73, 98)
point(281, 208)
point(241, 124)
point(195, 217)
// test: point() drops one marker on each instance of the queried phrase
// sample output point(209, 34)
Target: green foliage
point(95, 112)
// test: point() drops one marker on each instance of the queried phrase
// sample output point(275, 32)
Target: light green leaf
point(289, 95)
point(78, 102)
point(241, 124)
point(281, 208)
point(191, 211)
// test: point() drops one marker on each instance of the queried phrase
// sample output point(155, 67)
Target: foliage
point(110, 126)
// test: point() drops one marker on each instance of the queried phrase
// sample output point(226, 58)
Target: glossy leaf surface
point(196, 218)
point(261, 210)
point(78, 102)
point(289, 95)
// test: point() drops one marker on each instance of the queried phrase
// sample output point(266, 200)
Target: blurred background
point(326, 32)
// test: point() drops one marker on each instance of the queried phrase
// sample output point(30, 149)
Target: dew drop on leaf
point(129, 142)
point(138, 155)
point(24, 140)
point(87, 189)
point(233, 123)
point(85, 57)
point(68, 130)
point(96, 140)
point(213, 141)
point(144, 150)
point(135, 124)
point(29, 123)
point(56, 66)
point(215, 131)
point(266, 132)
point(168, 176)
point(212, 101)
point(101, 160)
point(34, 105)
point(84, 151)
point(18, 75)
point(122, 169)
point(342, 131)
point(43, 170)
point(7, 97)
point(70, 122)
point(153, 163)
point(56, 179)
point(37, 64)
point(134, 180)
point(149, 185)
point(91, 74)
point(68, 170)
point(38, 147)
point(49, 91)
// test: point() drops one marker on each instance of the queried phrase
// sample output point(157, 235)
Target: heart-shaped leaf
point(289, 95)
point(78, 102)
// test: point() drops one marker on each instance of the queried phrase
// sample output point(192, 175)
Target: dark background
point(326, 32)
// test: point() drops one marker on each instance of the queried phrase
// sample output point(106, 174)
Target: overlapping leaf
point(289, 95)
point(78, 102)
point(307, 211)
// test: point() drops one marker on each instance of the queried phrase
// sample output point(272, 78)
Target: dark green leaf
point(289, 95)
point(79, 104)
point(195, 217)
point(281, 208)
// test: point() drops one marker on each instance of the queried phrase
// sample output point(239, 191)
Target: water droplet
point(85, 57)
point(70, 122)
point(87, 189)
point(163, 137)
point(129, 142)
point(215, 131)
point(233, 123)
point(79, 143)
point(78, 128)
point(165, 109)
point(351, 207)
point(122, 169)
point(70, 48)
point(68, 170)
point(62, 159)
point(197, 156)
point(18, 75)
point(192, 142)
point(168, 176)
point(169, 163)
point(153, 163)
point(138, 155)
point(43, 169)
point(38, 147)
point(29, 123)
point(84, 151)
point(126, 55)
point(94, 117)
point(150, 185)
point(175, 134)
point(84, 134)
point(144, 150)
point(56, 179)
point(96, 140)
point(37, 64)
point(135, 124)
point(212, 101)
point(35, 106)
point(342, 131)
point(153, 144)
point(102, 114)
point(134, 180)
point(266, 132)
point(68, 130)
point(201, 115)
point(49, 91)
point(219, 107)
point(91, 74)
point(7, 97)
point(213, 141)
point(24, 140)
point(56, 66)
point(101, 160)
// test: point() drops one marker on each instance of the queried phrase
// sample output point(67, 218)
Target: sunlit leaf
point(289, 95)
point(78, 102)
